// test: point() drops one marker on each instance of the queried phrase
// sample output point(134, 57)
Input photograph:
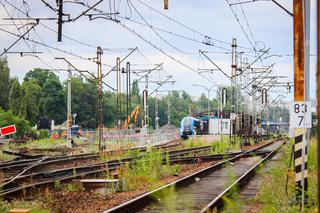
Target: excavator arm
point(134, 114)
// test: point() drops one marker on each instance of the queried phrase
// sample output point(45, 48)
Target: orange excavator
point(133, 115)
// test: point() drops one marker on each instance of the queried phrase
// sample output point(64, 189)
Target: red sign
point(8, 130)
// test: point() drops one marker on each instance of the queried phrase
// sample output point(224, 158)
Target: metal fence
point(122, 137)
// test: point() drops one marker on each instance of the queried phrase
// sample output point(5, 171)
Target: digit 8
point(296, 108)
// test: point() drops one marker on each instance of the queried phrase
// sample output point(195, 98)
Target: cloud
point(214, 18)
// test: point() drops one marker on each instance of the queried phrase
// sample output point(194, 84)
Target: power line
point(248, 25)
point(156, 47)
point(241, 26)
point(207, 43)
point(147, 41)
point(49, 28)
point(51, 47)
point(189, 28)
point(20, 36)
point(150, 26)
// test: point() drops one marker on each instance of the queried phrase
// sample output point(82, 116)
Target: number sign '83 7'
point(300, 115)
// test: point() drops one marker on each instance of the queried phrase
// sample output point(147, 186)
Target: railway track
point(24, 181)
point(18, 164)
point(204, 190)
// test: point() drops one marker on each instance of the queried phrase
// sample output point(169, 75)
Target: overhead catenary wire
point(42, 43)
point(55, 31)
point(189, 28)
point(248, 26)
point(153, 30)
point(193, 39)
point(148, 42)
point(241, 26)
point(159, 49)
point(20, 35)
point(49, 46)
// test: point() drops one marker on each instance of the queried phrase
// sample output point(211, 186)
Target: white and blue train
point(188, 126)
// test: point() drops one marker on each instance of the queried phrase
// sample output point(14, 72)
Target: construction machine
point(133, 115)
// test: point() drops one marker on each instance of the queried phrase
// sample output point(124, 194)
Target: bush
point(33, 134)
point(7, 118)
point(43, 134)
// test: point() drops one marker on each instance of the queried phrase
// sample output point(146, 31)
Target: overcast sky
point(176, 45)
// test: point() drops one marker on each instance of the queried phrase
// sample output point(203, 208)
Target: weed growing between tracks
point(35, 144)
point(146, 172)
point(35, 206)
point(272, 196)
point(233, 194)
point(223, 146)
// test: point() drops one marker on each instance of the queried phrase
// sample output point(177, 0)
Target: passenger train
point(188, 126)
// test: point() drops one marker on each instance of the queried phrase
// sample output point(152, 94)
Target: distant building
point(194, 98)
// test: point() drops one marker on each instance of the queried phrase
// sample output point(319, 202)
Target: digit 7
point(301, 119)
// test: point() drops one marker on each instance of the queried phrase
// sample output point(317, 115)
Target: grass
point(35, 206)
point(224, 146)
point(272, 196)
point(146, 171)
point(35, 144)
point(44, 144)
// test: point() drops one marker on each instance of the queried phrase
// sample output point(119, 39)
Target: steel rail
point(149, 196)
point(81, 171)
point(50, 160)
point(239, 182)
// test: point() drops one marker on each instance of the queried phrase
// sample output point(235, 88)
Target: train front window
point(187, 123)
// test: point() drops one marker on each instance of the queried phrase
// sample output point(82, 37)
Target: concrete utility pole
point(300, 90)
point(233, 79)
point(128, 87)
point(129, 78)
point(234, 60)
point(118, 79)
point(69, 116)
point(100, 99)
point(169, 96)
point(156, 119)
point(145, 104)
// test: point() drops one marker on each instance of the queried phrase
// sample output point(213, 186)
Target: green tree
point(202, 103)
point(84, 99)
point(30, 98)
point(135, 88)
point(232, 93)
point(109, 102)
point(53, 101)
point(15, 97)
point(40, 75)
point(4, 83)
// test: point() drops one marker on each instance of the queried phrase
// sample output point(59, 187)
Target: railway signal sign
point(8, 130)
point(300, 114)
